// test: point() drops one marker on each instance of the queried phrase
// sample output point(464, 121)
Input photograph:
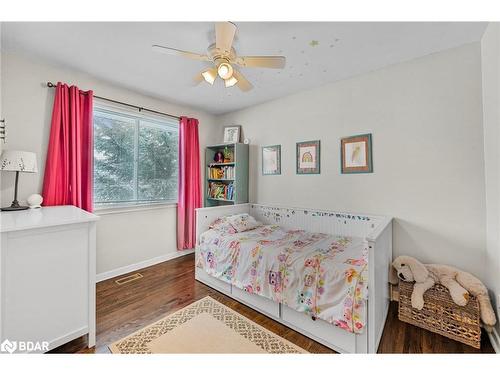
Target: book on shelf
point(221, 172)
point(217, 190)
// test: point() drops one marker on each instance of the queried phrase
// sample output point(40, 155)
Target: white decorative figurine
point(35, 201)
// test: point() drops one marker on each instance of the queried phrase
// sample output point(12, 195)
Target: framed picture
point(271, 160)
point(356, 154)
point(308, 157)
point(232, 134)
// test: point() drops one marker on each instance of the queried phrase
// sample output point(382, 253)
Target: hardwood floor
point(169, 286)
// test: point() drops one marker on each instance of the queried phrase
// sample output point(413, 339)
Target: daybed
point(321, 273)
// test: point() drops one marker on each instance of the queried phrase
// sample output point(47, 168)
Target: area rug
point(205, 326)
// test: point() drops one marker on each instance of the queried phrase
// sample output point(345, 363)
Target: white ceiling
point(121, 53)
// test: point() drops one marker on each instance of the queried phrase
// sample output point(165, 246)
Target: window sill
point(132, 207)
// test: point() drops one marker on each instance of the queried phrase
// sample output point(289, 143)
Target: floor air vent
point(128, 279)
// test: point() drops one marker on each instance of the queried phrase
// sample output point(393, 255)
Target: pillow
point(222, 225)
point(243, 222)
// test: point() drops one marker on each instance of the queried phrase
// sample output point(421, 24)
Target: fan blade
point(178, 52)
point(274, 62)
point(242, 83)
point(224, 35)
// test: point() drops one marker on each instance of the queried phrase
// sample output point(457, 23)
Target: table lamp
point(17, 161)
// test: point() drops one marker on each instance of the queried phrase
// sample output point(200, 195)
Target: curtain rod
point(51, 85)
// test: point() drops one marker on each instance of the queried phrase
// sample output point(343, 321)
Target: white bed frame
point(377, 234)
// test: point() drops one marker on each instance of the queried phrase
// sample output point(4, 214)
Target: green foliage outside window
point(135, 158)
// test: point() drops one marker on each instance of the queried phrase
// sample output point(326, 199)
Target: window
point(135, 157)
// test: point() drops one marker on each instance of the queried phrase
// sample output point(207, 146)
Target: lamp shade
point(18, 161)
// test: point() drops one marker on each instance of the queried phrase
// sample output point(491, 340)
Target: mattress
point(319, 274)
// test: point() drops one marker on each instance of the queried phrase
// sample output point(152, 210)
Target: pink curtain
point(68, 168)
point(189, 183)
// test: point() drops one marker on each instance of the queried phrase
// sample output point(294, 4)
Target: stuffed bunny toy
point(458, 282)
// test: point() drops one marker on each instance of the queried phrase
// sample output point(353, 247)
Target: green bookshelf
point(226, 182)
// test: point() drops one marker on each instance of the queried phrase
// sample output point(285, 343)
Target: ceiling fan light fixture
point(230, 82)
point(209, 76)
point(225, 70)
point(224, 60)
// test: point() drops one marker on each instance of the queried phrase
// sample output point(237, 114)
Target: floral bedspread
point(322, 275)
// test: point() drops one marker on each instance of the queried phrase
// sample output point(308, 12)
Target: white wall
point(490, 50)
point(426, 119)
point(122, 239)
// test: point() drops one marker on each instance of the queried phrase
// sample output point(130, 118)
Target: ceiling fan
point(224, 57)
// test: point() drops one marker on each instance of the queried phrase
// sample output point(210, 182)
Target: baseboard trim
point(137, 266)
point(495, 340)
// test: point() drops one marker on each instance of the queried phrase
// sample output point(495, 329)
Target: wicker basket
point(441, 315)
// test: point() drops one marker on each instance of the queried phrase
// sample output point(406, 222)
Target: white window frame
point(161, 121)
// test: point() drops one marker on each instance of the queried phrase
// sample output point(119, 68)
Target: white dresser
point(47, 277)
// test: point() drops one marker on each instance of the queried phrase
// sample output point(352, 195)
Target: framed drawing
point(308, 157)
point(271, 160)
point(356, 154)
point(232, 134)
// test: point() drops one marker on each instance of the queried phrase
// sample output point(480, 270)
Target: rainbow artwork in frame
point(308, 157)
